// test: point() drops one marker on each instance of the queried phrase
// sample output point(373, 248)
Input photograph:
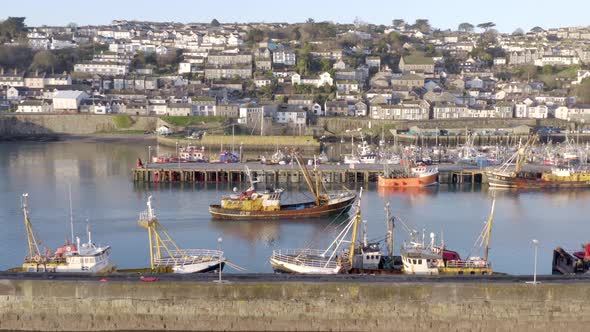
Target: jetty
point(331, 173)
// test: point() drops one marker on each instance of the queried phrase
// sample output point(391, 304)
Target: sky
point(507, 14)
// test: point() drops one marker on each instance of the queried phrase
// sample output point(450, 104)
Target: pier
point(331, 173)
point(283, 303)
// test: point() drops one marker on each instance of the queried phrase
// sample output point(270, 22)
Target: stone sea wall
point(289, 306)
point(339, 125)
point(73, 124)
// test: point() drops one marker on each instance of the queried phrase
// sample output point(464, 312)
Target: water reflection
point(103, 193)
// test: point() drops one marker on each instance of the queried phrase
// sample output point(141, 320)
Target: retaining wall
point(74, 124)
point(247, 306)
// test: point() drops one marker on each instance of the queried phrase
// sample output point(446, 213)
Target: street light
point(219, 241)
point(536, 244)
point(149, 154)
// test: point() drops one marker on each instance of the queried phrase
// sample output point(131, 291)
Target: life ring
point(68, 248)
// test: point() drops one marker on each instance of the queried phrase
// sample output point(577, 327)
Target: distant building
point(68, 100)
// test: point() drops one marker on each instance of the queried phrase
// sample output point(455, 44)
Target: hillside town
point(260, 74)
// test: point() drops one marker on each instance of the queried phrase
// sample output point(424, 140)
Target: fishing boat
point(433, 258)
point(167, 257)
point(575, 263)
point(316, 261)
point(227, 157)
point(363, 257)
point(558, 177)
point(192, 154)
point(251, 204)
point(417, 176)
point(73, 257)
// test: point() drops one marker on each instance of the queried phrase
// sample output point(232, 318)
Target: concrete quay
point(282, 303)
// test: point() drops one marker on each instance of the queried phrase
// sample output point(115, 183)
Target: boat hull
point(285, 212)
point(285, 267)
point(415, 182)
point(199, 267)
point(506, 181)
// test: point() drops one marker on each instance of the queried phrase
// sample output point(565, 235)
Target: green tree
point(215, 23)
point(398, 23)
point(582, 92)
point(429, 49)
point(547, 70)
point(295, 34)
point(518, 32)
point(15, 57)
point(44, 60)
point(254, 36)
point(466, 27)
point(486, 25)
point(422, 25)
point(12, 28)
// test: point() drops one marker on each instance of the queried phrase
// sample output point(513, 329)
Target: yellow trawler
point(251, 204)
point(558, 177)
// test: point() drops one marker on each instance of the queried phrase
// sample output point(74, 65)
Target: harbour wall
point(339, 125)
point(36, 305)
point(72, 124)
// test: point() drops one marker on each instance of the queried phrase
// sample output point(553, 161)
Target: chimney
point(36, 72)
point(1, 70)
point(15, 71)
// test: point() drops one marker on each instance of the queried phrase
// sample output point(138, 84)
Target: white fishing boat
point(166, 256)
point(316, 261)
point(72, 257)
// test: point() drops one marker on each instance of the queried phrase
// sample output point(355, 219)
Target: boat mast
point(489, 230)
point(158, 237)
point(71, 216)
point(390, 221)
point(357, 220)
point(32, 241)
point(307, 177)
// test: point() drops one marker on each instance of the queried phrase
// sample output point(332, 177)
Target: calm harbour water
point(103, 194)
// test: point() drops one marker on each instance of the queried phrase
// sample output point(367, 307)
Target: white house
point(163, 130)
point(34, 106)
point(291, 115)
point(323, 79)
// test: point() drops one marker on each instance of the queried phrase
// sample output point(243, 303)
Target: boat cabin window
point(419, 261)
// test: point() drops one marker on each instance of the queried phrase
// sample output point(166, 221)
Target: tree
point(518, 32)
point(12, 28)
point(44, 60)
point(429, 49)
point(486, 26)
point(422, 25)
point(215, 23)
point(537, 30)
point(399, 23)
point(582, 92)
point(15, 56)
point(466, 27)
point(295, 34)
point(254, 36)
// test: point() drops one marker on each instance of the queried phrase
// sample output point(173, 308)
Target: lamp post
point(536, 244)
point(219, 241)
point(149, 154)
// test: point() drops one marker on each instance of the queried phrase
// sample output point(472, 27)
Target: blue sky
point(507, 14)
